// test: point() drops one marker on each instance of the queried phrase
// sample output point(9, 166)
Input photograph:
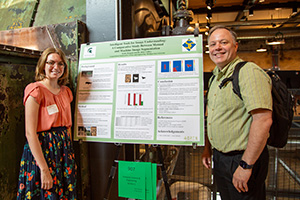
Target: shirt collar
point(228, 69)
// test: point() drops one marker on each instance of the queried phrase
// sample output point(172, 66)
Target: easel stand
point(112, 171)
point(114, 168)
point(164, 173)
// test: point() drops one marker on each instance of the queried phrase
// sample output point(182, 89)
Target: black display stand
point(114, 168)
point(112, 172)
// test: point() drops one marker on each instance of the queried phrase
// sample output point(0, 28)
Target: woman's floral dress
point(59, 154)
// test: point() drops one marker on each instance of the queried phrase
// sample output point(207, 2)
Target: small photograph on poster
point(93, 131)
point(189, 65)
point(127, 78)
point(143, 78)
point(135, 78)
point(177, 66)
point(165, 66)
point(87, 131)
point(87, 73)
point(86, 79)
point(82, 131)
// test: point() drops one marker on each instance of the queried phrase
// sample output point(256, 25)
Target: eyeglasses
point(59, 64)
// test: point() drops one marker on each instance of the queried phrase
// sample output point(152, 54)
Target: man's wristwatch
point(245, 165)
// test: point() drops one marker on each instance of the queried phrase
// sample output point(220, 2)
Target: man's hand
point(258, 135)
point(240, 179)
point(206, 158)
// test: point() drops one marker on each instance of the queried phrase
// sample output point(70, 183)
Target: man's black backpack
point(283, 103)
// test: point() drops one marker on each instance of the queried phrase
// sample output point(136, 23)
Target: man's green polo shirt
point(229, 118)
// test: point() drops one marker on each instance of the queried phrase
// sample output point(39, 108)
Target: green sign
point(137, 180)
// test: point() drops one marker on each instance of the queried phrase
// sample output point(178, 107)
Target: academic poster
point(147, 91)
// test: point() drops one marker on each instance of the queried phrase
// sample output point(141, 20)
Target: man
point(237, 130)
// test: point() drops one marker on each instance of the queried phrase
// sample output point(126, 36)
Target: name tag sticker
point(52, 109)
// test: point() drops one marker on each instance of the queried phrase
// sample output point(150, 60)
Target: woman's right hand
point(46, 179)
point(31, 123)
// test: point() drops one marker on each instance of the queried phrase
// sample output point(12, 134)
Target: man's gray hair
point(233, 34)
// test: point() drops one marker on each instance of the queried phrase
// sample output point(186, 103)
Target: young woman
point(48, 169)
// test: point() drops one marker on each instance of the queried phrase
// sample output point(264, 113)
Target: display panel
point(141, 91)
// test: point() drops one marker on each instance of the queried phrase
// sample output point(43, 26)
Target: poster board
point(141, 91)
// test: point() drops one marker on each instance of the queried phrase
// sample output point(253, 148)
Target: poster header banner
point(142, 47)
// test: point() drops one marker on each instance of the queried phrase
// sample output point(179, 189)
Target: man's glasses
point(59, 64)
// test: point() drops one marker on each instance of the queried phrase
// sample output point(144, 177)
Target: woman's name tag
point(52, 109)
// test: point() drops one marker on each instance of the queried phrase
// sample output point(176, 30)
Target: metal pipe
point(170, 13)
point(293, 174)
point(295, 35)
point(296, 124)
point(119, 20)
point(276, 173)
point(34, 13)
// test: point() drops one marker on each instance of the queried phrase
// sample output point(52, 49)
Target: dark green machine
point(16, 71)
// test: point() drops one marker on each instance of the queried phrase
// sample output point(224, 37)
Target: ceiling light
point(207, 25)
point(278, 39)
point(250, 12)
point(261, 49)
point(190, 29)
point(244, 18)
point(294, 10)
point(209, 16)
point(275, 41)
point(209, 4)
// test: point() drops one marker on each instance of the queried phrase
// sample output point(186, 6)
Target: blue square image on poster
point(177, 66)
point(189, 65)
point(165, 66)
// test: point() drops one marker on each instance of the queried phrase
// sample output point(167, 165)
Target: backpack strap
point(235, 79)
point(206, 95)
point(211, 80)
point(205, 98)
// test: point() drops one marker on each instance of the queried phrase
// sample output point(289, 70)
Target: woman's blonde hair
point(40, 67)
